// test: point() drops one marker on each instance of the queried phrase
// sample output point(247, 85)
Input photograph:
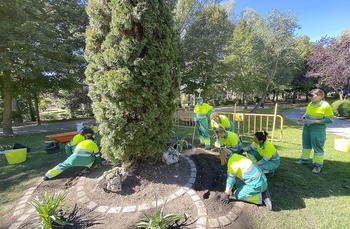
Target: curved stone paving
point(201, 223)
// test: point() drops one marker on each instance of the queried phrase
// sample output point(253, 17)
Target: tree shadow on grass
point(290, 186)
point(293, 183)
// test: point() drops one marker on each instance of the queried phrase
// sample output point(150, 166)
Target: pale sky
point(317, 18)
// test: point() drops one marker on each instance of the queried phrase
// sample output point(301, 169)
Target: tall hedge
point(132, 75)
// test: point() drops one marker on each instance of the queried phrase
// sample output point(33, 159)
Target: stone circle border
point(201, 223)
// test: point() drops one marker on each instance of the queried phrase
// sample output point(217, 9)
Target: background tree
point(41, 49)
point(330, 61)
point(203, 46)
point(132, 76)
point(262, 53)
point(241, 65)
point(277, 49)
point(300, 82)
point(186, 11)
point(76, 100)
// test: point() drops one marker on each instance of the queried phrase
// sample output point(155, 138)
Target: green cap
point(199, 99)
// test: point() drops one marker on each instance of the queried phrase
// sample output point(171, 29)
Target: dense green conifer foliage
point(132, 76)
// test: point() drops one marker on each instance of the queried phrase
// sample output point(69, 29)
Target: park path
point(49, 127)
point(340, 126)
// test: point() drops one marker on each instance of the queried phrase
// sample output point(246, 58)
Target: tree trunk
point(294, 97)
point(306, 96)
point(36, 104)
point(31, 110)
point(262, 100)
point(276, 97)
point(245, 101)
point(17, 111)
point(6, 116)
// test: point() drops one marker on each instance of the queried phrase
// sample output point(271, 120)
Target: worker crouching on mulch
point(249, 181)
point(84, 154)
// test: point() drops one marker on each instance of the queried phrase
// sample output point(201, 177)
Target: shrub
point(344, 109)
point(132, 76)
point(335, 106)
point(341, 108)
point(44, 103)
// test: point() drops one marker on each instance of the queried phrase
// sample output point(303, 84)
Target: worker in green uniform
point(263, 153)
point(249, 182)
point(318, 113)
point(220, 120)
point(84, 155)
point(202, 113)
point(230, 144)
point(70, 146)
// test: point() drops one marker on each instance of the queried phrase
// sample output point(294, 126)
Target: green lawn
point(301, 199)
point(15, 178)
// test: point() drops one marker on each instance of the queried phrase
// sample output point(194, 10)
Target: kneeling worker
point(263, 153)
point(249, 182)
point(84, 155)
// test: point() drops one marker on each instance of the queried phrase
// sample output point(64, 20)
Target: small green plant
point(158, 220)
point(50, 210)
point(180, 144)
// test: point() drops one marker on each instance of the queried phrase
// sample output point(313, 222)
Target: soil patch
point(145, 185)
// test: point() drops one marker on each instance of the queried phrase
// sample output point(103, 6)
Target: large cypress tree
point(132, 75)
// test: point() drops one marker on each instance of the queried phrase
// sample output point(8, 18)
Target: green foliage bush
point(335, 106)
point(132, 76)
point(341, 108)
point(44, 103)
point(344, 109)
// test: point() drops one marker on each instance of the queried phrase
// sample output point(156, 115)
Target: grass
point(301, 199)
point(14, 179)
point(305, 200)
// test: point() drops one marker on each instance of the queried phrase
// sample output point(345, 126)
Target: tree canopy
point(329, 61)
point(202, 47)
point(132, 76)
point(41, 48)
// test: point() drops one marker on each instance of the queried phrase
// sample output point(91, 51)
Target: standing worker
point(220, 120)
point(84, 155)
point(263, 153)
point(202, 113)
point(318, 114)
point(249, 182)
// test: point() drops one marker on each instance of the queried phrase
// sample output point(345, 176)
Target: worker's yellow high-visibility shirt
point(321, 110)
point(231, 139)
point(266, 150)
point(77, 139)
point(202, 110)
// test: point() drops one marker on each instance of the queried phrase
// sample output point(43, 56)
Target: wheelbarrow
point(54, 146)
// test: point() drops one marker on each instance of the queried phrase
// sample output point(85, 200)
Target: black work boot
point(267, 199)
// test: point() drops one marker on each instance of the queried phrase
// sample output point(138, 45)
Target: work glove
point(241, 152)
point(225, 200)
